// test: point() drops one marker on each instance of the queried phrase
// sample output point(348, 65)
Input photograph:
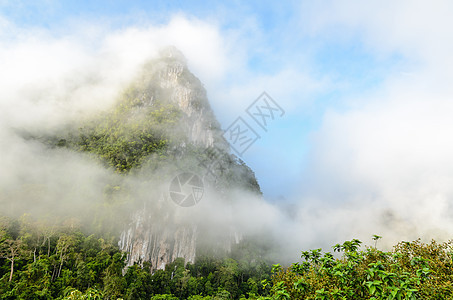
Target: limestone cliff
point(160, 231)
point(160, 132)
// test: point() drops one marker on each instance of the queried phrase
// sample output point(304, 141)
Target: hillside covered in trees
point(41, 260)
point(48, 260)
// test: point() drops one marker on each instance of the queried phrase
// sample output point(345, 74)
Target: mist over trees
point(63, 212)
point(45, 260)
point(92, 135)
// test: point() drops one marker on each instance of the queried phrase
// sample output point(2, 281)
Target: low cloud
point(379, 164)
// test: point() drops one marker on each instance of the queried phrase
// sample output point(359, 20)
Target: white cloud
point(48, 78)
point(384, 164)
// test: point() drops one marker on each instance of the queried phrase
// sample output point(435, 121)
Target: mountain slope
point(162, 126)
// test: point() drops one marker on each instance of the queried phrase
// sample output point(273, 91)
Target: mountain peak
point(166, 81)
point(171, 52)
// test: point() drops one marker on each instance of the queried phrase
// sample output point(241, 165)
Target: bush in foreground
point(410, 271)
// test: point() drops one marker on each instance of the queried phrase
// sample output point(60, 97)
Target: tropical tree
point(12, 250)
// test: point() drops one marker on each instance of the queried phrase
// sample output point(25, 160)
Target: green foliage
point(67, 264)
point(64, 263)
point(126, 136)
point(90, 294)
point(164, 297)
point(411, 271)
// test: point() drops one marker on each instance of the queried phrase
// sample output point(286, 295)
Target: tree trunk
point(59, 270)
point(12, 270)
point(54, 272)
point(61, 263)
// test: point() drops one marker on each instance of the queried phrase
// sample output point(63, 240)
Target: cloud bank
point(382, 163)
point(378, 159)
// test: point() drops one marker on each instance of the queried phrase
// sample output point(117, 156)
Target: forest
point(59, 261)
point(45, 260)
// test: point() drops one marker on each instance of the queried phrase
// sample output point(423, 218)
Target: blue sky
point(366, 86)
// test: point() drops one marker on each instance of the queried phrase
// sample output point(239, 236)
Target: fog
point(381, 166)
point(53, 86)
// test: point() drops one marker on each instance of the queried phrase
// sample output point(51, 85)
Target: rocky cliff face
point(160, 232)
point(161, 126)
point(159, 242)
point(167, 79)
